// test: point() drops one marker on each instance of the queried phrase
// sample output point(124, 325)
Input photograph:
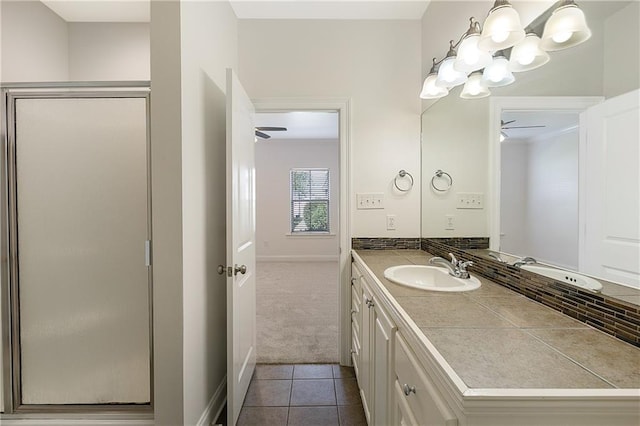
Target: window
point(309, 200)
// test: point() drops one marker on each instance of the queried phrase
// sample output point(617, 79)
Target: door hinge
point(147, 253)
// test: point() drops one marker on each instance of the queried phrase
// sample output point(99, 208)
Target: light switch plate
point(470, 200)
point(367, 201)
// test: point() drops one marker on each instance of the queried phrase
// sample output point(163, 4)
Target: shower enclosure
point(76, 249)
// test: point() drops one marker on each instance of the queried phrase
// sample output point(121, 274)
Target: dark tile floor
point(302, 394)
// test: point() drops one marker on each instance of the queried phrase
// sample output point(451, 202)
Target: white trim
point(74, 422)
point(311, 235)
point(518, 103)
point(299, 258)
point(343, 106)
point(215, 406)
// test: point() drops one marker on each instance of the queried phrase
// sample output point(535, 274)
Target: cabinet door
point(366, 351)
point(383, 334)
point(420, 393)
point(402, 414)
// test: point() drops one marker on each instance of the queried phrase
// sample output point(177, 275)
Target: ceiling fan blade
point(262, 135)
point(272, 129)
point(522, 127)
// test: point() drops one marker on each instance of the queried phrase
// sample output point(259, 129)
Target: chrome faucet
point(457, 268)
point(525, 261)
point(497, 257)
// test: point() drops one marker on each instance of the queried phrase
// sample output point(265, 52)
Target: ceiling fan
point(503, 126)
point(260, 131)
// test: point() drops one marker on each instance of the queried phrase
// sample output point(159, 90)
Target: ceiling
point(139, 10)
point(300, 124)
point(329, 9)
point(554, 122)
point(101, 10)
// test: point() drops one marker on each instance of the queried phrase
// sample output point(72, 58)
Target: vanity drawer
point(421, 395)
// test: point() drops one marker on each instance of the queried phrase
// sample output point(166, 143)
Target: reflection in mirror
point(540, 213)
point(539, 186)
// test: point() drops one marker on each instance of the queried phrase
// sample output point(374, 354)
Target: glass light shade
point(527, 55)
point(475, 88)
point(501, 29)
point(470, 58)
point(497, 73)
point(430, 90)
point(448, 76)
point(503, 136)
point(565, 28)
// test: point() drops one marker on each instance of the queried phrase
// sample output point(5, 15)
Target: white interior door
point(610, 246)
point(241, 253)
point(81, 226)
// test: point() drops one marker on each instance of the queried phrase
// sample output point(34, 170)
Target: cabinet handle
point(369, 303)
point(408, 390)
point(353, 280)
point(353, 351)
point(353, 311)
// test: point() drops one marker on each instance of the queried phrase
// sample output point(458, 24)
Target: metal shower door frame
point(9, 285)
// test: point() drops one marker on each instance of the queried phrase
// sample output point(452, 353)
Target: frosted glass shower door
point(81, 195)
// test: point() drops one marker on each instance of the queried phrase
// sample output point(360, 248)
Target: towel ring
point(439, 173)
point(403, 174)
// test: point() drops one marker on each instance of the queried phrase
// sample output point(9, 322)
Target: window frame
point(326, 200)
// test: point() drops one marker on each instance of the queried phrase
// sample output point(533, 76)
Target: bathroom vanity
point(484, 357)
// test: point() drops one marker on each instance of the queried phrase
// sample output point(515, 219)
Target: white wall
point(539, 198)
point(209, 46)
point(552, 205)
point(622, 51)
point(374, 63)
point(108, 51)
point(166, 192)
point(514, 196)
point(34, 43)
point(274, 160)
point(452, 141)
point(38, 46)
point(191, 45)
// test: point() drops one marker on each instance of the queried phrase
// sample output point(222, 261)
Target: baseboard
point(301, 258)
point(74, 422)
point(215, 405)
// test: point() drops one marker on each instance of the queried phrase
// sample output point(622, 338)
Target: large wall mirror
point(537, 197)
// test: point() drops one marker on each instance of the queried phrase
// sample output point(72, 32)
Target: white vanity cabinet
point(417, 401)
point(372, 350)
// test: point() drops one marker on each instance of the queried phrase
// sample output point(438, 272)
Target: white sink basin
point(429, 278)
point(568, 277)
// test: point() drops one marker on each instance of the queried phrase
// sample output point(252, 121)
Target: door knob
point(242, 269)
point(221, 269)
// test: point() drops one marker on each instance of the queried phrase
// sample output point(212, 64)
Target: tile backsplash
point(385, 243)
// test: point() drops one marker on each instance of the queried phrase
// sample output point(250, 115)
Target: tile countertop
point(493, 337)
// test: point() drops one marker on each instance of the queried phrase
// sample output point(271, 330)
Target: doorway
point(77, 277)
point(337, 273)
point(297, 233)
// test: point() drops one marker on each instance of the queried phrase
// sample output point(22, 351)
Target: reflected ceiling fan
point(503, 127)
point(260, 131)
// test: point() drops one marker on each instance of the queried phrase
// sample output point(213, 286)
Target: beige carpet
point(297, 312)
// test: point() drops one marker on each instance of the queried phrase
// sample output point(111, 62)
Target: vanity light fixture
point(470, 56)
point(501, 46)
point(527, 55)
point(429, 89)
point(567, 27)
point(503, 136)
point(475, 87)
point(497, 74)
point(502, 28)
point(447, 75)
